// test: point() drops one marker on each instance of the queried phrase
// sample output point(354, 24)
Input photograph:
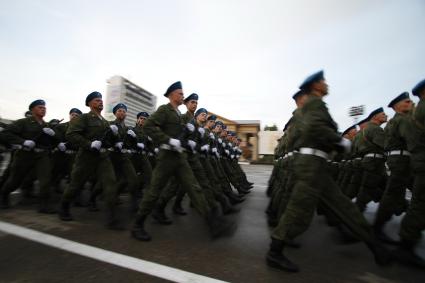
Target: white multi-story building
point(137, 99)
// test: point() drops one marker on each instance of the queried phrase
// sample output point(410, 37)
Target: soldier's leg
point(371, 187)
point(129, 173)
point(393, 200)
point(413, 223)
point(43, 173)
point(22, 163)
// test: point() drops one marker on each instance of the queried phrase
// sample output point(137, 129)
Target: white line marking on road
point(147, 267)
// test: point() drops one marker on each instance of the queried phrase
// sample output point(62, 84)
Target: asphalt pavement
point(185, 245)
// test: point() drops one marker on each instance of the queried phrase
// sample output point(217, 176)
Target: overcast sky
point(244, 58)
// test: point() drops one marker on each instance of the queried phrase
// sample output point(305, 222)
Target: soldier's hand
point(345, 144)
point(131, 133)
point(96, 145)
point(49, 132)
point(220, 140)
point(140, 145)
point(227, 151)
point(190, 127)
point(119, 145)
point(212, 136)
point(29, 144)
point(206, 147)
point(156, 150)
point(62, 146)
point(201, 131)
point(114, 129)
point(232, 156)
point(175, 144)
point(192, 144)
point(214, 150)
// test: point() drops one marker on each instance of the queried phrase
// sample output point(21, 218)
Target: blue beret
point(142, 114)
point(233, 134)
point(348, 129)
point(193, 96)
point(118, 106)
point(212, 117)
point(418, 88)
point(219, 123)
point(298, 94)
point(376, 111)
point(316, 77)
point(75, 110)
point(93, 95)
point(403, 96)
point(173, 87)
point(36, 103)
point(201, 110)
point(224, 127)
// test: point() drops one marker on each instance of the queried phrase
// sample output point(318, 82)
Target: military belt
point(315, 152)
point(374, 155)
point(398, 152)
point(70, 151)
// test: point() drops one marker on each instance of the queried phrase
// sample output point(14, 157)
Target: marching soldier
point(317, 137)
point(413, 222)
point(398, 161)
point(34, 138)
point(373, 162)
point(165, 127)
point(94, 136)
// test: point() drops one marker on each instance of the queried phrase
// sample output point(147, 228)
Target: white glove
point(131, 133)
point(346, 144)
point(62, 146)
point(212, 136)
point(220, 140)
point(205, 147)
point(1, 129)
point(149, 138)
point(114, 129)
point(214, 150)
point(217, 154)
point(175, 144)
point(190, 127)
point(232, 156)
point(156, 150)
point(227, 151)
point(29, 143)
point(201, 131)
point(229, 144)
point(140, 145)
point(192, 144)
point(49, 131)
point(96, 144)
point(118, 145)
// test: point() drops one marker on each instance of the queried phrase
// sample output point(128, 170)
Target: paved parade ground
point(84, 251)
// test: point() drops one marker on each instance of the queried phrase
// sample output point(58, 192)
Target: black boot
point(159, 215)
point(406, 255)
point(112, 220)
point(226, 206)
point(381, 254)
point(276, 259)
point(235, 199)
point(219, 226)
point(178, 209)
point(381, 236)
point(64, 213)
point(5, 202)
point(138, 231)
point(45, 207)
point(92, 203)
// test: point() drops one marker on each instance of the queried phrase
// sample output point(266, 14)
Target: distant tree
point(270, 128)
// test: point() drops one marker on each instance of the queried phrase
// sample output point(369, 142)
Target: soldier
point(413, 222)
point(373, 162)
point(64, 154)
point(317, 137)
point(120, 156)
point(94, 136)
point(140, 158)
point(346, 167)
point(33, 137)
point(354, 180)
point(398, 161)
point(165, 127)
